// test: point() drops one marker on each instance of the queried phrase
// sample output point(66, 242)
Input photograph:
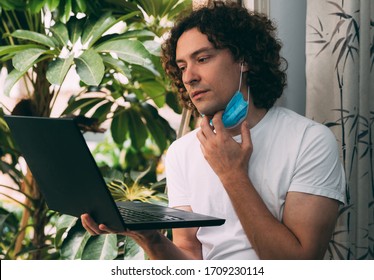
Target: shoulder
point(288, 117)
point(301, 125)
point(301, 134)
point(185, 141)
point(183, 145)
point(317, 168)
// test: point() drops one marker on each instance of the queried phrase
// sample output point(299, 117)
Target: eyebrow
point(196, 53)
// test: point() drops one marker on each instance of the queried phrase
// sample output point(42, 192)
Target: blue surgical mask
point(236, 110)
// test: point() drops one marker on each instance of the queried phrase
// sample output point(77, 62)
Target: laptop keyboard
point(131, 215)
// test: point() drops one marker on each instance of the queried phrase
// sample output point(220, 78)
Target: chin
point(211, 112)
point(206, 113)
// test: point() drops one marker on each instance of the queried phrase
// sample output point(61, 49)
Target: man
point(273, 175)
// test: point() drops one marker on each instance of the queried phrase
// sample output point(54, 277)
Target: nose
point(190, 75)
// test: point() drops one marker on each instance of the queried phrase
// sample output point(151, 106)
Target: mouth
point(197, 93)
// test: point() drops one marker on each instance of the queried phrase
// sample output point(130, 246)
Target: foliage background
point(114, 47)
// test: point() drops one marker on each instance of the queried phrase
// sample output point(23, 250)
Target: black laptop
point(71, 182)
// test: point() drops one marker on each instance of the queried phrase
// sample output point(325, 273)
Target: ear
point(245, 66)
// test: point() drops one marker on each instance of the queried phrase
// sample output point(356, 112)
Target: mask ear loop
point(241, 75)
point(240, 81)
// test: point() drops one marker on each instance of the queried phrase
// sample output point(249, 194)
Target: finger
point(103, 228)
point(202, 149)
point(246, 135)
point(205, 131)
point(206, 128)
point(90, 225)
point(200, 135)
point(217, 122)
point(203, 141)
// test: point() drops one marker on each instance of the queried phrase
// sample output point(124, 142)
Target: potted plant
point(120, 75)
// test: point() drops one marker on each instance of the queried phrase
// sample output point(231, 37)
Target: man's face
point(211, 76)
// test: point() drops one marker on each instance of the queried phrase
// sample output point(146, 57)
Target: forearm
point(158, 247)
point(270, 238)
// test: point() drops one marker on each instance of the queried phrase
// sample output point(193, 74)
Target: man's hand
point(222, 152)
point(141, 237)
point(156, 245)
point(94, 229)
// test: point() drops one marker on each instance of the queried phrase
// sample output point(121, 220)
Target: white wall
point(290, 17)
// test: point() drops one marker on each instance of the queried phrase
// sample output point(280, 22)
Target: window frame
point(262, 6)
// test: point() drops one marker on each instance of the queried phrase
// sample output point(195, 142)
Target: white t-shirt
point(290, 153)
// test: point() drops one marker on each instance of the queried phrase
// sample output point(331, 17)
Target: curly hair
point(250, 36)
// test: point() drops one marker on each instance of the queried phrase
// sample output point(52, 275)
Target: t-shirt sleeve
point(176, 183)
point(318, 168)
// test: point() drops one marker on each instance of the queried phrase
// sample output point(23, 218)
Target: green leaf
point(34, 37)
point(95, 29)
point(155, 129)
point(12, 79)
point(13, 49)
point(131, 248)
point(75, 27)
point(137, 130)
point(177, 9)
point(80, 104)
point(168, 5)
point(36, 5)
point(102, 111)
point(117, 65)
point(60, 32)
point(64, 223)
point(148, 6)
point(66, 9)
point(120, 125)
point(101, 247)
point(137, 34)
point(82, 5)
point(173, 102)
point(128, 50)
point(90, 67)
point(153, 47)
point(9, 5)
point(132, 158)
point(58, 69)
point(73, 245)
point(89, 106)
point(2, 221)
point(145, 72)
point(22, 60)
point(155, 91)
point(53, 4)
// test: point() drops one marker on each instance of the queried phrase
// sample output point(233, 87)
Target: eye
point(182, 68)
point(202, 59)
